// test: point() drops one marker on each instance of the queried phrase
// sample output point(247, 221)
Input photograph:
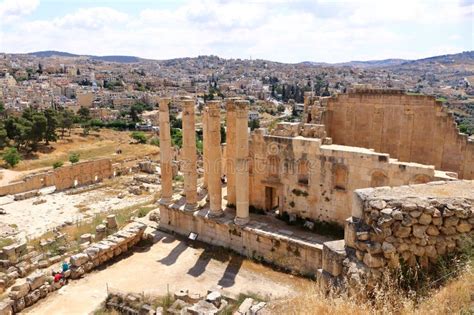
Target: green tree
point(254, 124)
point(74, 158)
point(2, 110)
point(176, 137)
point(11, 156)
point(3, 136)
point(38, 129)
point(138, 136)
point(84, 114)
point(66, 121)
point(51, 125)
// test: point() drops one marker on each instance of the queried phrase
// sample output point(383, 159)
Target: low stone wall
point(252, 240)
point(27, 292)
point(64, 177)
point(414, 224)
point(411, 228)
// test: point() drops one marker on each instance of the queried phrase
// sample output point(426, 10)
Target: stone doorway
point(271, 198)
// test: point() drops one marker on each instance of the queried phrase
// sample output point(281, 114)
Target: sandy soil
point(34, 220)
point(170, 264)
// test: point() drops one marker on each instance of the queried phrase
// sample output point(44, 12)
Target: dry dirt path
point(169, 263)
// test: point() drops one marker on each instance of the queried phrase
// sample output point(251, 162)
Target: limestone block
point(77, 272)
point(333, 255)
point(92, 252)
point(374, 261)
point(463, 226)
point(20, 290)
point(32, 297)
point(244, 308)
point(79, 259)
point(19, 305)
point(6, 307)
point(43, 290)
point(36, 280)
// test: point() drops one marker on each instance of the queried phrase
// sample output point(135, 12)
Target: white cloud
point(291, 30)
point(13, 9)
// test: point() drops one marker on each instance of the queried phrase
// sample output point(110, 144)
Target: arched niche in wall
point(303, 172)
point(274, 166)
point(378, 179)
point(340, 175)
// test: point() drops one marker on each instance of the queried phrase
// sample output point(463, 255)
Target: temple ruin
point(284, 184)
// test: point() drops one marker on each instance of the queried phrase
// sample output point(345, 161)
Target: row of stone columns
point(236, 163)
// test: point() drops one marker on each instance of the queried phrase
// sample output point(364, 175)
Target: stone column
point(230, 150)
point(205, 115)
point(165, 152)
point(214, 159)
point(189, 154)
point(242, 168)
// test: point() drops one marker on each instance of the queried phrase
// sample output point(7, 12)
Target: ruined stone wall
point(412, 128)
point(281, 250)
point(83, 173)
point(316, 181)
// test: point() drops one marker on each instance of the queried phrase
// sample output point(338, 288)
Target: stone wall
point(252, 240)
point(314, 180)
point(414, 224)
point(83, 173)
point(37, 285)
point(412, 128)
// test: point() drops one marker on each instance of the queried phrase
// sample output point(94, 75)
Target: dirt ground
point(167, 266)
point(25, 218)
point(101, 144)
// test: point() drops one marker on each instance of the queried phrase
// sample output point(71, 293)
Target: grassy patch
point(5, 242)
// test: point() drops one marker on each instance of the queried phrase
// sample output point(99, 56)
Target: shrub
point(138, 136)
point(74, 158)
point(11, 156)
point(57, 164)
point(155, 141)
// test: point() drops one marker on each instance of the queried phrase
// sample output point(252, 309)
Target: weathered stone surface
point(32, 297)
point(6, 307)
point(36, 280)
point(424, 219)
point(419, 230)
point(397, 215)
point(463, 226)
point(388, 248)
point(79, 259)
point(374, 261)
point(432, 230)
point(19, 305)
point(402, 231)
point(20, 290)
point(378, 204)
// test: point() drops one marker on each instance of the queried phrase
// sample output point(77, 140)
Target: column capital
point(230, 103)
point(242, 108)
point(164, 103)
point(214, 108)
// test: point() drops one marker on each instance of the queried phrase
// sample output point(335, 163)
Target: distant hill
point(51, 53)
point(385, 63)
point(372, 63)
point(112, 58)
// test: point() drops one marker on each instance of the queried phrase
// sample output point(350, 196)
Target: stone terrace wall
point(65, 177)
point(252, 240)
point(412, 128)
point(416, 223)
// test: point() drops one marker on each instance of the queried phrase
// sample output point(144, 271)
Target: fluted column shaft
point(189, 154)
point(214, 159)
point(242, 168)
point(231, 148)
point(165, 152)
point(205, 116)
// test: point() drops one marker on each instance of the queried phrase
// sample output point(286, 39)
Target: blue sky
point(280, 30)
